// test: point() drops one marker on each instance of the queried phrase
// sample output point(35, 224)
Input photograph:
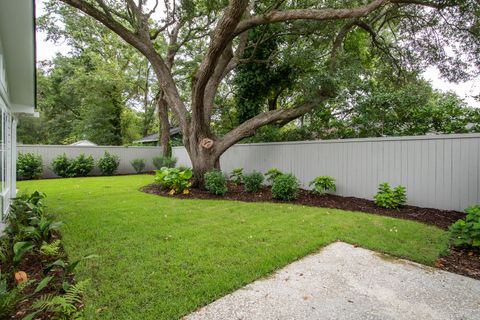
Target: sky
point(46, 50)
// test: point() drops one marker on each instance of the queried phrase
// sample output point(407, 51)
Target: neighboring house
point(153, 139)
point(17, 85)
point(83, 143)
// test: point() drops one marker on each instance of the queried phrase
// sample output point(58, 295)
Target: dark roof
point(156, 136)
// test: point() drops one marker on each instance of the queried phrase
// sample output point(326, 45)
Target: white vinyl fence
point(126, 154)
point(441, 171)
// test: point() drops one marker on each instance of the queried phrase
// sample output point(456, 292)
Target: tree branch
point(249, 127)
point(221, 36)
point(308, 14)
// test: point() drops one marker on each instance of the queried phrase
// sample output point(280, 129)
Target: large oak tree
point(211, 37)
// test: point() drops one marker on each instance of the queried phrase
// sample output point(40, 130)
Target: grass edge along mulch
point(460, 261)
point(436, 217)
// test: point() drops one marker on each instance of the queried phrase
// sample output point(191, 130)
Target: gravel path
point(345, 282)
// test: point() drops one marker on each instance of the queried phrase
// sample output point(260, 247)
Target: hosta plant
point(466, 232)
point(272, 174)
point(389, 198)
point(322, 184)
point(175, 180)
point(237, 176)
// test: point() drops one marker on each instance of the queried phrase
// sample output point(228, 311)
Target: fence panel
point(126, 154)
point(441, 171)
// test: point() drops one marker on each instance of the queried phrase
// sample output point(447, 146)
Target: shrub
point(108, 164)
point(466, 233)
point(285, 187)
point(174, 179)
point(236, 176)
point(81, 165)
point(216, 182)
point(322, 184)
point(389, 198)
point(62, 166)
point(138, 165)
point(272, 174)
point(253, 181)
point(164, 162)
point(29, 166)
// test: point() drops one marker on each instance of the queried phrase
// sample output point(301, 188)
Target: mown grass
point(163, 258)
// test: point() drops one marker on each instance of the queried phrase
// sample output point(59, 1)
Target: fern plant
point(61, 307)
point(50, 250)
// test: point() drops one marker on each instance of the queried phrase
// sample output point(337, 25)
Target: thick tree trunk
point(164, 125)
point(203, 161)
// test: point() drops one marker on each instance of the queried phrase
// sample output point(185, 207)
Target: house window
point(5, 158)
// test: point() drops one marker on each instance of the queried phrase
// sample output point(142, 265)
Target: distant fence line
point(441, 171)
point(126, 154)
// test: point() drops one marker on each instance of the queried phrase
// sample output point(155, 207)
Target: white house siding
point(441, 171)
point(7, 142)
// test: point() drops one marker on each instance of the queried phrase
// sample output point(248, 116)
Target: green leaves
point(285, 187)
point(174, 179)
point(322, 184)
point(138, 165)
point(236, 177)
point(29, 166)
point(466, 232)
point(216, 182)
point(272, 174)
point(164, 161)
point(389, 198)
point(109, 163)
point(253, 181)
point(19, 250)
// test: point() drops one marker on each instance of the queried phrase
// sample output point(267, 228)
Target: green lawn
point(163, 258)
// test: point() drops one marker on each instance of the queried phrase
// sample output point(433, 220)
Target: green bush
point(285, 187)
point(272, 174)
point(164, 162)
point(69, 168)
point(466, 232)
point(138, 165)
point(253, 181)
point(29, 166)
point(174, 179)
point(236, 176)
point(62, 166)
point(108, 164)
point(81, 165)
point(389, 198)
point(322, 184)
point(216, 182)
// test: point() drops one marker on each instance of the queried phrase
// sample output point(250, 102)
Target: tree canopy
point(251, 64)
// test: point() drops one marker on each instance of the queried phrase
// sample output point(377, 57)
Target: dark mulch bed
point(458, 261)
point(439, 218)
point(33, 265)
point(461, 261)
